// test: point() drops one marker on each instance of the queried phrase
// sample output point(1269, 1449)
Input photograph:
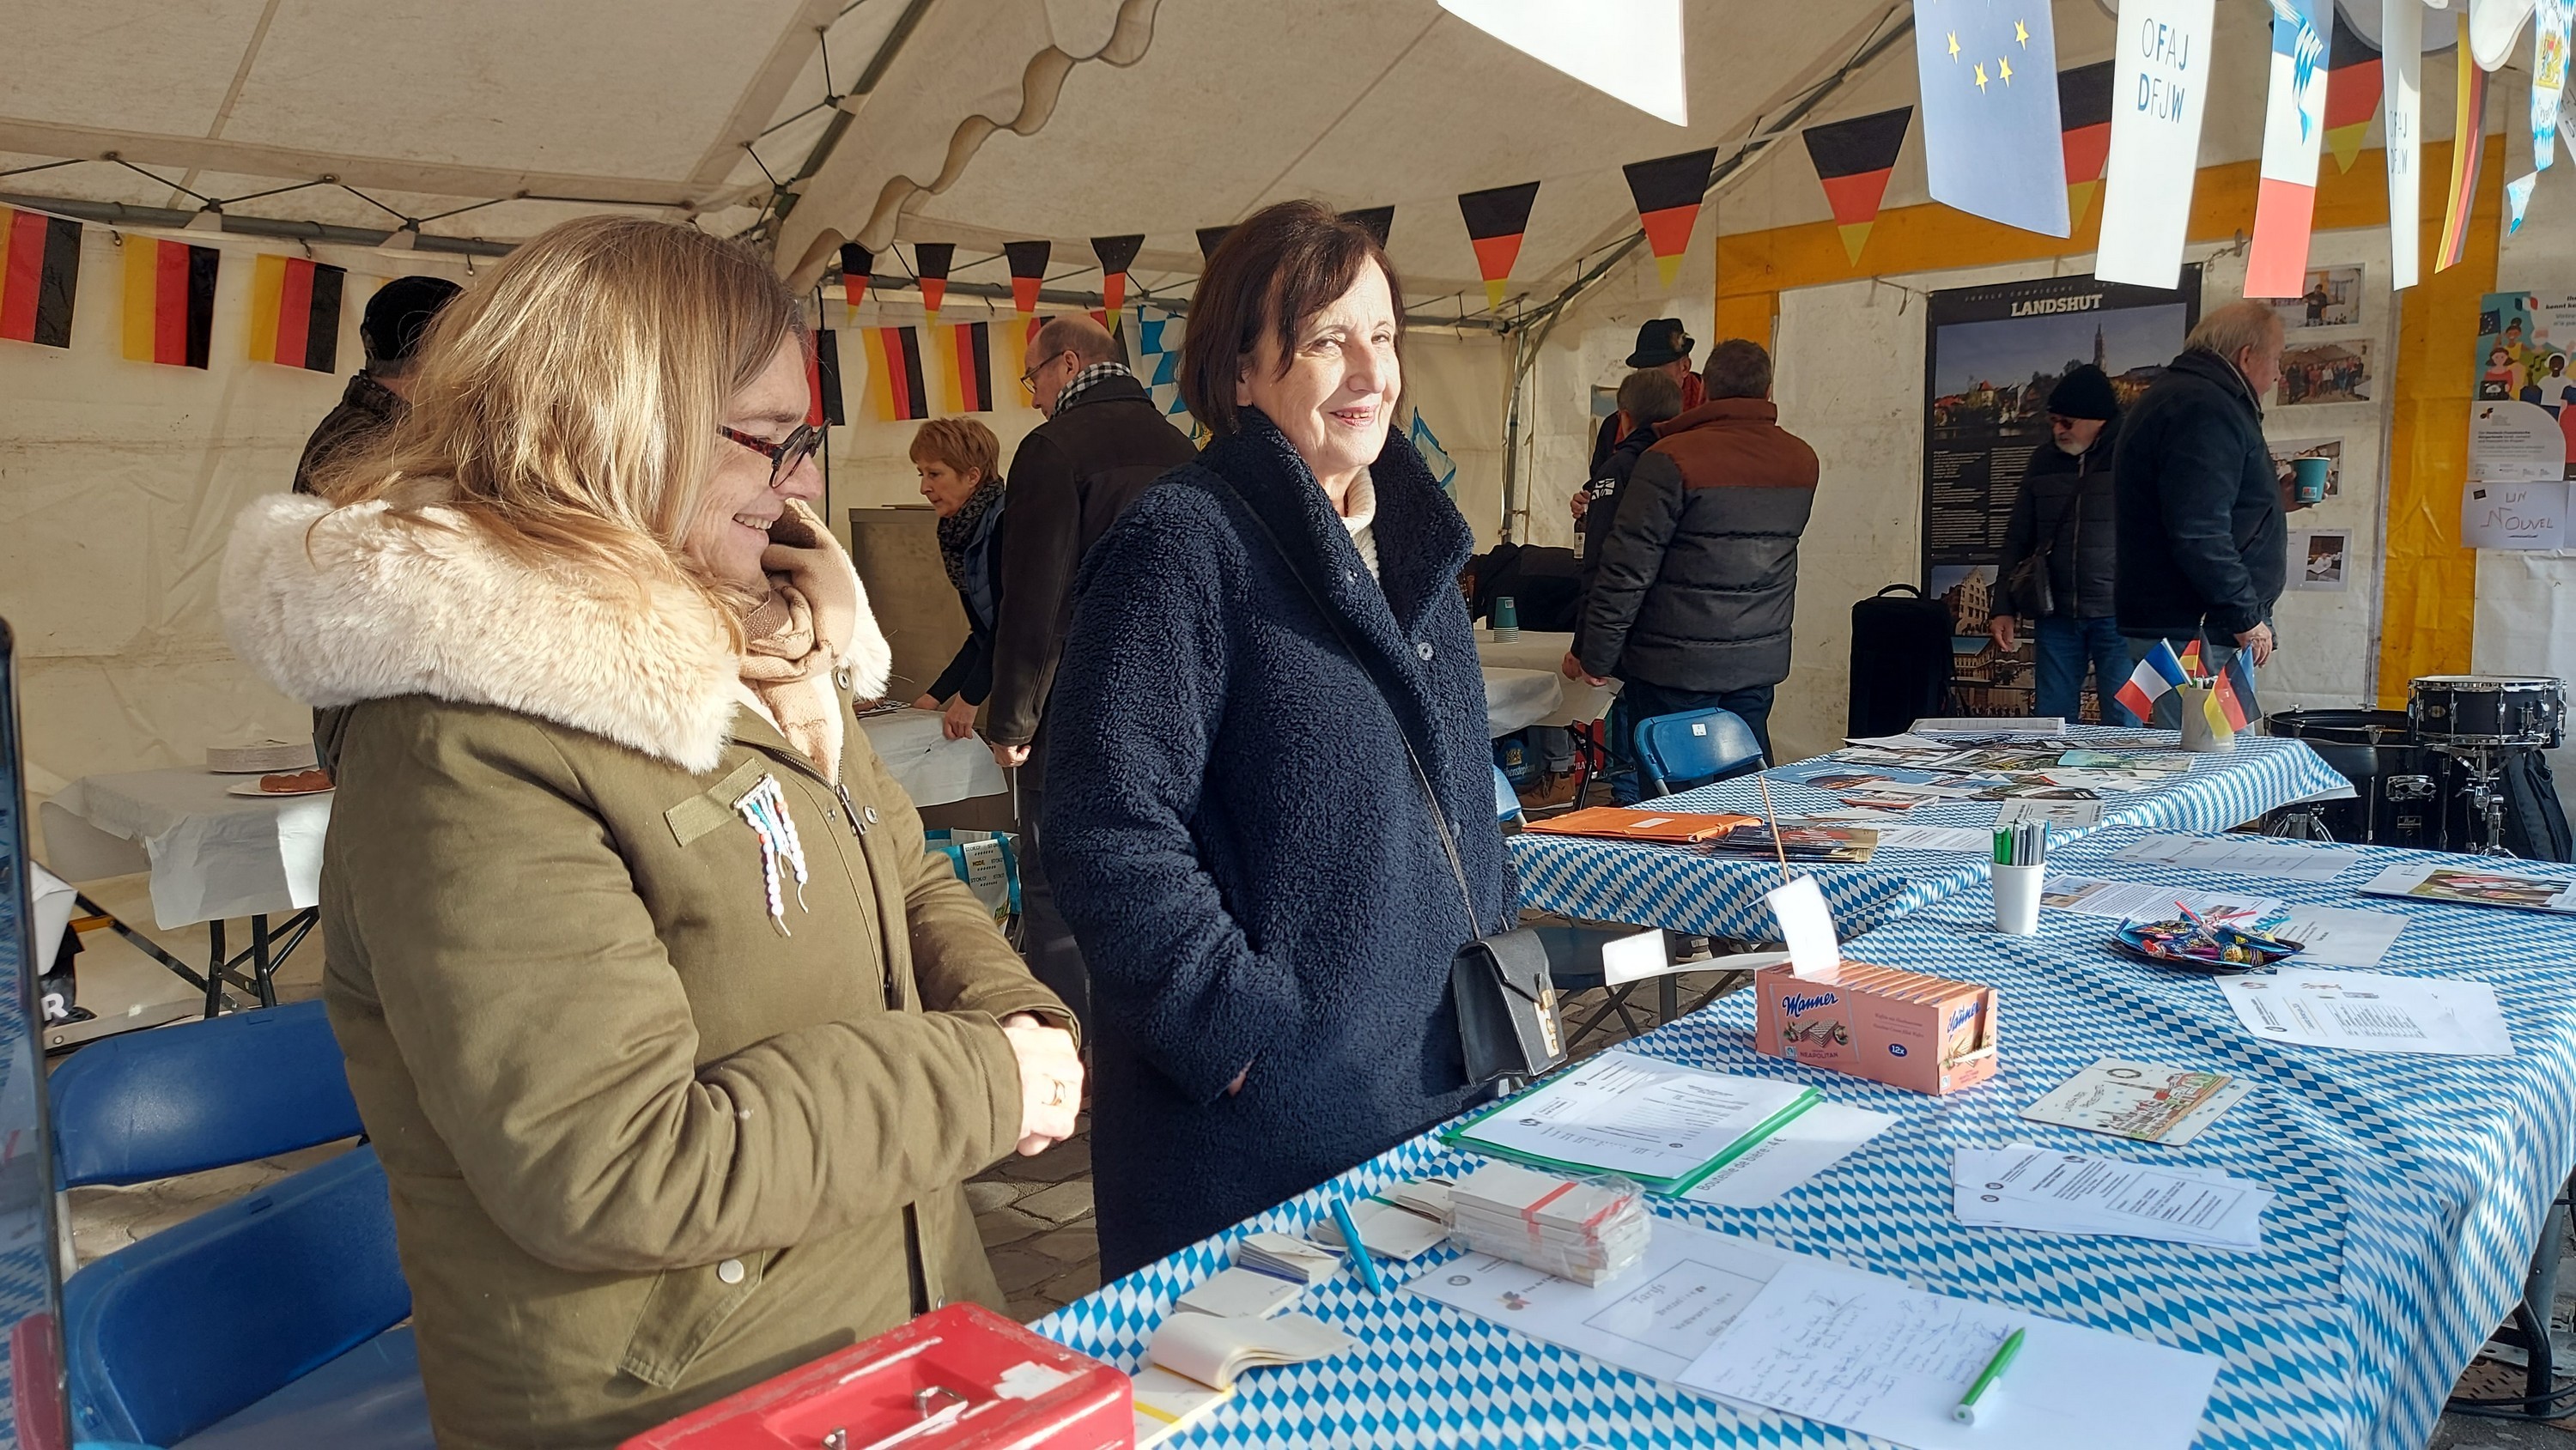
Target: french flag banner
point(2294, 128)
point(2157, 676)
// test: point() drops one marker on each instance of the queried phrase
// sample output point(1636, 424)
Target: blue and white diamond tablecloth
point(1684, 890)
point(2411, 1191)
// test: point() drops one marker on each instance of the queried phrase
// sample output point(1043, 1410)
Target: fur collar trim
point(334, 606)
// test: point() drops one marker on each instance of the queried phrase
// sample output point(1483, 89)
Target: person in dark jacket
point(1664, 346)
point(955, 458)
point(1232, 815)
point(1690, 605)
point(396, 318)
point(2068, 486)
point(2204, 543)
point(1103, 443)
point(1647, 397)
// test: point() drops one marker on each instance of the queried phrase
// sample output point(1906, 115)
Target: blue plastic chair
point(199, 1095)
point(1675, 752)
point(1507, 801)
point(262, 1322)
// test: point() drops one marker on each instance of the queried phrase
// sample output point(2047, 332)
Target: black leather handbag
point(1505, 999)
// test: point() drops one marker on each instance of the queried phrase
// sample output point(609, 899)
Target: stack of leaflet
point(1586, 1232)
point(1193, 1360)
point(2085, 1193)
point(1283, 1257)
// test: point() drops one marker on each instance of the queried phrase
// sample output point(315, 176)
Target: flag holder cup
point(2197, 731)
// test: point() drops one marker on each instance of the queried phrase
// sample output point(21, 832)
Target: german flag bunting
point(1668, 191)
point(1210, 237)
point(169, 301)
point(1853, 160)
point(295, 313)
point(894, 374)
point(39, 276)
point(1379, 220)
point(1497, 218)
point(966, 367)
point(1116, 255)
point(823, 378)
point(2352, 92)
point(856, 263)
point(2084, 126)
point(930, 263)
point(1028, 270)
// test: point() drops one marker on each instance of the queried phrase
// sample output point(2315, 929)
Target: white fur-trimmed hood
point(338, 605)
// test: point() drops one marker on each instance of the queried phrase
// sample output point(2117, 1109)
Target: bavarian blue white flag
point(1444, 470)
point(1988, 72)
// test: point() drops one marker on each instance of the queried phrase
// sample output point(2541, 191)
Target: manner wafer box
point(1924, 1034)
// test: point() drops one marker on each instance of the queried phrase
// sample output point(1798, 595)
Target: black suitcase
point(1900, 661)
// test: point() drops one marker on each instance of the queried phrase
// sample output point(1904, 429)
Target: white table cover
point(212, 856)
point(1517, 699)
point(1577, 703)
point(931, 768)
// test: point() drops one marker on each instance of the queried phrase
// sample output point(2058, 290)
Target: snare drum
point(2489, 709)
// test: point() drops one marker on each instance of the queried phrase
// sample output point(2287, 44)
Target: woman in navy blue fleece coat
point(1237, 836)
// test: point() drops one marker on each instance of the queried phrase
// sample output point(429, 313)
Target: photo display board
point(1992, 354)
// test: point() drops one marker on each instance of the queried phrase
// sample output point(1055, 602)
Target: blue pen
point(1359, 1251)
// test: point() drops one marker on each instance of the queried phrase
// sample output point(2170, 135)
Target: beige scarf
point(793, 636)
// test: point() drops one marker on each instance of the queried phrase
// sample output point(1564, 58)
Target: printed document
point(2371, 1012)
point(2089, 1193)
point(2330, 936)
point(2246, 856)
point(1632, 1114)
point(1804, 1147)
point(2146, 901)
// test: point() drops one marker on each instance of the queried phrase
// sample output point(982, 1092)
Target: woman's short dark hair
point(1275, 269)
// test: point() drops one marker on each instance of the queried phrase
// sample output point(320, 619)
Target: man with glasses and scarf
point(1104, 443)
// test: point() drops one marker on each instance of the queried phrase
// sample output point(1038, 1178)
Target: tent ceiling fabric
point(1361, 102)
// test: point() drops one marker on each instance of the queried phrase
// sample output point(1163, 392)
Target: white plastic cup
point(2017, 899)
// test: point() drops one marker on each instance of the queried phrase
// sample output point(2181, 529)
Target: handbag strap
point(1421, 777)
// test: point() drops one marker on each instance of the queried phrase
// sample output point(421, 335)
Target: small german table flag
point(1853, 159)
point(1668, 191)
point(295, 313)
point(39, 276)
point(2352, 92)
point(169, 301)
point(930, 264)
point(1496, 221)
point(1116, 255)
point(2084, 113)
point(856, 263)
point(1028, 271)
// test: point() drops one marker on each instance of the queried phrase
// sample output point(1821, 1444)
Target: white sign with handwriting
point(2513, 515)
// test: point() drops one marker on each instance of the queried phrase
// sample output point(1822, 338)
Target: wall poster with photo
point(2319, 559)
point(2329, 449)
point(2332, 298)
point(2334, 371)
point(1992, 355)
point(2526, 388)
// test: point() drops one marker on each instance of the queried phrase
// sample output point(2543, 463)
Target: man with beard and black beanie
point(2061, 553)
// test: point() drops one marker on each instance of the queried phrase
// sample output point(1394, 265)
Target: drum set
point(2428, 777)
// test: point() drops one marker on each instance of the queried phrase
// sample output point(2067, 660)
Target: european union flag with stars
point(1988, 70)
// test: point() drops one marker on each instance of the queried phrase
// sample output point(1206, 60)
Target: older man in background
point(391, 331)
point(1103, 443)
point(2204, 541)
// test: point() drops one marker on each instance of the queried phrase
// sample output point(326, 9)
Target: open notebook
point(1193, 1360)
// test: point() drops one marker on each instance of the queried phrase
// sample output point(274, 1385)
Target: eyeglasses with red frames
point(785, 454)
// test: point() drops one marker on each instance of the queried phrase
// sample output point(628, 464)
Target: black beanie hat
point(399, 313)
point(2084, 393)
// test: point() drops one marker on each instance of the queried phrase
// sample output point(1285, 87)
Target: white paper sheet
point(2141, 900)
point(1807, 929)
point(2230, 855)
point(1806, 1146)
point(1996, 725)
point(2477, 881)
point(2066, 815)
point(1635, 1115)
point(1866, 1353)
point(2332, 936)
point(2047, 1191)
point(1969, 839)
point(2371, 1012)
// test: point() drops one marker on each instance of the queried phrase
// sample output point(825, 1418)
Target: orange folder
point(1613, 823)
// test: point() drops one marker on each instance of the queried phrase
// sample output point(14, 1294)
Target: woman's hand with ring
point(1050, 1081)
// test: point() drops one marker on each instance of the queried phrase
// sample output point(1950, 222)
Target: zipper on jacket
point(857, 826)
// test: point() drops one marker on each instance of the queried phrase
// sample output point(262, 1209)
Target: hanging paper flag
point(966, 368)
point(1668, 190)
point(2352, 92)
point(1853, 160)
point(894, 367)
point(1209, 237)
point(2517, 196)
point(1158, 358)
point(2401, 82)
point(823, 377)
point(2294, 114)
point(1028, 262)
point(2549, 25)
point(2492, 28)
point(1116, 255)
point(1987, 72)
point(2469, 106)
point(930, 264)
point(1443, 468)
point(295, 313)
point(1379, 220)
point(39, 276)
point(2084, 111)
point(1496, 220)
point(169, 301)
point(1631, 50)
point(2158, 93)
point(856, 263)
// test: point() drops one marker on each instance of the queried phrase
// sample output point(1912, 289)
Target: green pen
point(1965, 1412)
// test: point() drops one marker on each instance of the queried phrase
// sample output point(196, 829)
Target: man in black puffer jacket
point(2204, 543)
point(1698, 574)
point(2063, 512)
